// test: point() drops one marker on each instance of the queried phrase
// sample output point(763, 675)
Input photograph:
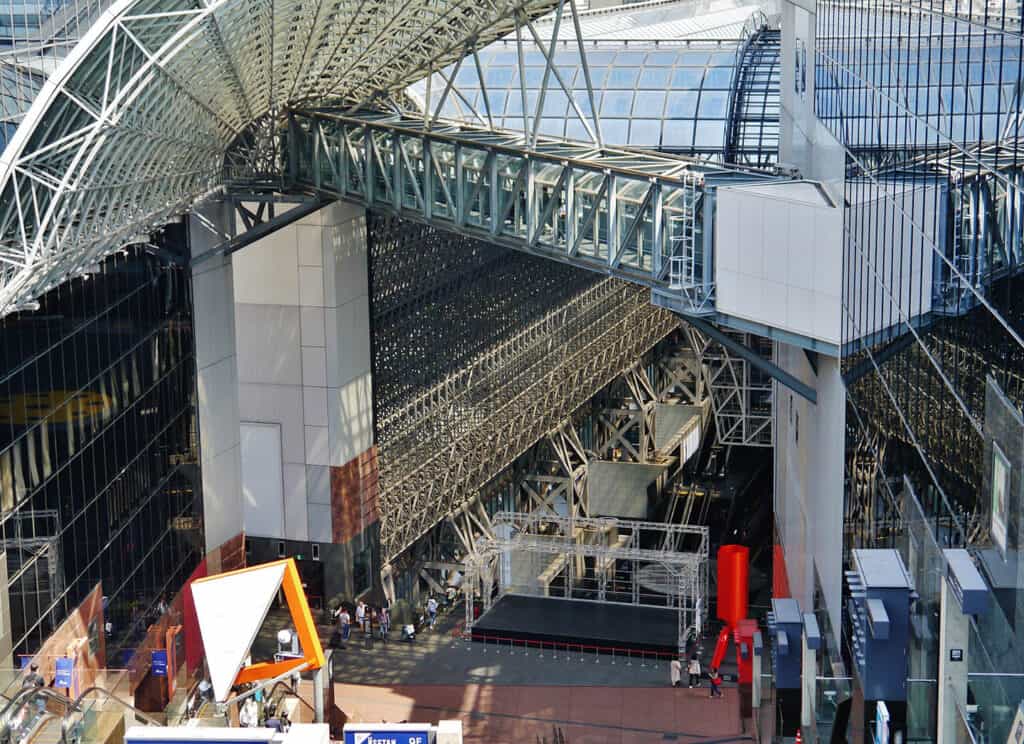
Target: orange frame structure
point(309, 638)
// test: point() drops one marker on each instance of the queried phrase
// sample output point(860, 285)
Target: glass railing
point(829, 694)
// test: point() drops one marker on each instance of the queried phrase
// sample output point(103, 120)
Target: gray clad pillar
point(963, 593)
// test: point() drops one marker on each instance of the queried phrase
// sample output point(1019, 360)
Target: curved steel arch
point(134, 124)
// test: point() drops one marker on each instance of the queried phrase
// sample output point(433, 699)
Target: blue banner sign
point(159, 662)
point(65, 672)
point(384, 734)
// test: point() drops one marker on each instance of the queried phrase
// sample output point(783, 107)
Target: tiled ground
point(499, 714)
point(520, 697)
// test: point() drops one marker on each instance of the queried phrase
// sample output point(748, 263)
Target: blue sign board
point(160, 662)
point(65, 671)
point(384, 736)
point(24, 661)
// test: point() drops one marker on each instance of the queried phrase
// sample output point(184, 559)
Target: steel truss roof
point(134, 124)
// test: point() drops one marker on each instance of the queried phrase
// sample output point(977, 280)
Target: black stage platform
point(576, 621)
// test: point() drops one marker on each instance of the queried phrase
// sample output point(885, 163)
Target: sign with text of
point(956, 654)
point(159, 662)
point(65, 671)
point(395, 733)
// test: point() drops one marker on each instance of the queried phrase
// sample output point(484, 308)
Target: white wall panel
point(314, 405)
point(311, 286)
point(892, 258)
point(351, 421)
point(213, 310)
point(311, 320)
point(216, 375)
point(296, 525)
point(318, 484)
point(320, 523)
point(317, 446)
point(262, 479)
point(310, 244)
point(281, 404)
point(268, 344)
point(778, 258)
point(266, 272)
point(314, 366)
point(217, 402)
point(348, 346)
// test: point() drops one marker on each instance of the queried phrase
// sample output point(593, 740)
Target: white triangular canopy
point(230, 610)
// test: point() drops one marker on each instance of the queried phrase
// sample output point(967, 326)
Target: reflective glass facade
point(925, 98)
point(97, 444)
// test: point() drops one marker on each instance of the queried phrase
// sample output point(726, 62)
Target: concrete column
point(305, 391)
point(808, 677)
point(954, 633)
point(216, 374)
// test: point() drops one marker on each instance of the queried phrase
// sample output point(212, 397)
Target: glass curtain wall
point(926, 98)
point(672, 97)
point(97, 444)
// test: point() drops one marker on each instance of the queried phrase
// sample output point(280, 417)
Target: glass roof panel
point(655, 78)
point(615, 131)
point(617, 103)
point(645, 133)
point(649, 104)
point(623, 78)
point(687, 78)
point(666, 59)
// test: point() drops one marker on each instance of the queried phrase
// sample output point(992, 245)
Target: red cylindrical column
point(733, 583)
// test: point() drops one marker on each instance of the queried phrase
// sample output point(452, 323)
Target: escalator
point(39, 715)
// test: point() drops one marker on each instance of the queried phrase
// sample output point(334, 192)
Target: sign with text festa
point(388, 733)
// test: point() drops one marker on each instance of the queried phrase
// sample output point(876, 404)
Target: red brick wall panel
point(354, 496)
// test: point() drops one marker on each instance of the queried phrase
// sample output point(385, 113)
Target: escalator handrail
point(288, 691)
point(76, 706)
point(31, 734)
point(18, 702)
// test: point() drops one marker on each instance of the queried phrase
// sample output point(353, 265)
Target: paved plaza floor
point(511, 696)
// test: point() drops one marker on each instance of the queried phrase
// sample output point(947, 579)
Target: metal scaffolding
point(594, 560)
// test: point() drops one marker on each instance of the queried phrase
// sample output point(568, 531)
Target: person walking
point(344, 623)
point(716, 682)
point(693, 669)
point(675, 672)
point(33, 678)
point(432, 611)
point(384, 623)
point(361, 615)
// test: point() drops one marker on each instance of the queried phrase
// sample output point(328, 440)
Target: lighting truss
point(530, 553)
point(133, 125)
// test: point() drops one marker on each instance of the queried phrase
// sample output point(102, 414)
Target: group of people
point(693, 671)
point(369, 619)
point(366, 619)
point(256, 713)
